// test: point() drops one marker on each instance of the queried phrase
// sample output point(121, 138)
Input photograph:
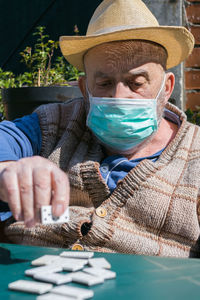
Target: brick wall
point(192, 64)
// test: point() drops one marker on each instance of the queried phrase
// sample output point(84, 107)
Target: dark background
point(19, 18)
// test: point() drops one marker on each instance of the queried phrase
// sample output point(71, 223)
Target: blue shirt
point(116, 167)
point(22, 138)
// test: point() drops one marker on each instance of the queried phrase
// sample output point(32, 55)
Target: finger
point(42, 188)
point(10, 191)
point(26, 194)
point(37, 215)
point(60, 196)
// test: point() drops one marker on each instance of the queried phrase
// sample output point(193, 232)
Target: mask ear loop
point(87, 89)
point(162, 86)
point(155, 103)
point(89, 102)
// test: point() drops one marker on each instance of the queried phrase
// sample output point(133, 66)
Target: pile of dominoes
point(76, 266)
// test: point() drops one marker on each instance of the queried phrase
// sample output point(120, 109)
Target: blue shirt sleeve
point(20, 138)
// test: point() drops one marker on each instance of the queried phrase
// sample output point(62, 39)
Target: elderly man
point(132, 159)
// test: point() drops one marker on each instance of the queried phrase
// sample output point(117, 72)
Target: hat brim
point(178, 42)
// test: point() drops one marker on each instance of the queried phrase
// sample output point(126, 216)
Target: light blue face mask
point(122, 124)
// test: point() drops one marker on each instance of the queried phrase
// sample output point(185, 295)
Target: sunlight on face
point(124, 70)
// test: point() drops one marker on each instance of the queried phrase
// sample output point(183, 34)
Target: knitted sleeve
point(54, 119)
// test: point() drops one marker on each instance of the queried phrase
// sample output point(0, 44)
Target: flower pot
point(22, 101)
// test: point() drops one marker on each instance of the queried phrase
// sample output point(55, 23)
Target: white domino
point(44, 269)
point(77, 254)
point(51, 296)
point(30, 286)
point(58, 260)
point(99, 262)
point(70, 264)
point(81, 277)
point(53, 277)
point(75, 261)
point(105, 274)
point(45, 260)
point(72, 267)
point(48, 218)
point(73, 292)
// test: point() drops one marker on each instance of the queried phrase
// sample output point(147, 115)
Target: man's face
point(126, 70)
point(114, 71)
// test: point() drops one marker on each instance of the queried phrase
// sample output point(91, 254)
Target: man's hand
point(30, 183)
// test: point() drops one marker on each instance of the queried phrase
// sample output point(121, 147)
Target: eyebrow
point(100, 74)
point(139, 72)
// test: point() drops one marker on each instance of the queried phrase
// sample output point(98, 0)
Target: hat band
point(118, 28)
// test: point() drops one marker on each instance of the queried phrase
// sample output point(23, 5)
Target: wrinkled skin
point(31, 182)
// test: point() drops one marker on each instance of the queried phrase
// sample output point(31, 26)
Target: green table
point(138, 277)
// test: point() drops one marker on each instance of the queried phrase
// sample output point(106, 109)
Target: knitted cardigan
point(152, 211)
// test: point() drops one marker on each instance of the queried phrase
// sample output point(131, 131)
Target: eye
point(104, 83)
point(136, 82)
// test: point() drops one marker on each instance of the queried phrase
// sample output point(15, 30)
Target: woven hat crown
point(112, 15)
point(119, 20)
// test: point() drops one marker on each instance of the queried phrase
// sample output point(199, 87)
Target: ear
point(82, 86)
point(169, 85)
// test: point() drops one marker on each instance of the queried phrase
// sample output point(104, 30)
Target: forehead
point(123, 56)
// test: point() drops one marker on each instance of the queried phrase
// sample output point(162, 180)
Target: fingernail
point(58, 210)
point(18, 217)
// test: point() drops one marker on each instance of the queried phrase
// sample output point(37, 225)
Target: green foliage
point(43, 66)
point(7, 79)
point(193, 116)
point(42, 72)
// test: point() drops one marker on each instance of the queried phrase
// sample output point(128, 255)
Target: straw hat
point(116, 20)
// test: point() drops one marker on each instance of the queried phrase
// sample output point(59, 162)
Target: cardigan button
point(77, 247)
point(104, 168)
point(101, 212)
